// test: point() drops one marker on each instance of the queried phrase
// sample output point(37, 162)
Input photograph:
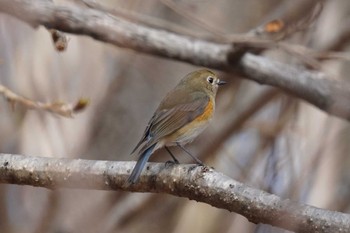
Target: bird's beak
point(221, 82)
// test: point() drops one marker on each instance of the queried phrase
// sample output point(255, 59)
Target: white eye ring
point(210, 79)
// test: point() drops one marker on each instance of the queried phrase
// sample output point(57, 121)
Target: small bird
point(181, 116)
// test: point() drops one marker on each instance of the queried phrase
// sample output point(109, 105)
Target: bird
point(180, 117)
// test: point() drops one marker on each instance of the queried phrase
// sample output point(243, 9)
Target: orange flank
point(192, 129)
point(208, 112)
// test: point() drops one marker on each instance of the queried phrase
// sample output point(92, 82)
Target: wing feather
point(167, 121)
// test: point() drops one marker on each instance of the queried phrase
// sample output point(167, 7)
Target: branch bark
point(194, 182)
point(315, 87)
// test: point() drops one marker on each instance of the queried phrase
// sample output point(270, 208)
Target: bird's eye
point(210, 79)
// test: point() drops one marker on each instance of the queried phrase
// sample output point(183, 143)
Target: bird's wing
point(166, 121)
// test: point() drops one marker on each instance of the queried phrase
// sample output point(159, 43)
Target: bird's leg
point(172, 156)
point(187, 152)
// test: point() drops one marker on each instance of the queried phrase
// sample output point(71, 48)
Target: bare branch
point(59, 108)
point(194, 182)
point(315, 87)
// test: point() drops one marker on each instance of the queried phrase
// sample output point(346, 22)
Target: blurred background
point(259, 135)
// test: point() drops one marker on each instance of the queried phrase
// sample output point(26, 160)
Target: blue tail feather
point(141, 162)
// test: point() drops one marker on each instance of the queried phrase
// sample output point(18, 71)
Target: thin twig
point(189, 15)
point(58, 108)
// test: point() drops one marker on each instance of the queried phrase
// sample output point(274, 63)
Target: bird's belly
point(187, 133)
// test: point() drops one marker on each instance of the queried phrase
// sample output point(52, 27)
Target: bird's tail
point(141, 162)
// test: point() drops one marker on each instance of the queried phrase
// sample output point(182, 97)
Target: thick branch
point(329, 95)
point(194, 182)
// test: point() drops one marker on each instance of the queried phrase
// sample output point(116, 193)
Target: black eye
point(210, 79)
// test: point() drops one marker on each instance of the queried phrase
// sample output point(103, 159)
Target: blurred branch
point(144, 19)
point(342, 40)
point(315, 87)
point(46, 221)
point(192, 18)
point(5, 225)
point(234, 125)
point(194, 182)
point(59, 108)
point(328, 94)
point(296, 17)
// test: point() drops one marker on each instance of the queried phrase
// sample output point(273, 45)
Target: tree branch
point(194, 182)
point(58, 107)
point(315, 87)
